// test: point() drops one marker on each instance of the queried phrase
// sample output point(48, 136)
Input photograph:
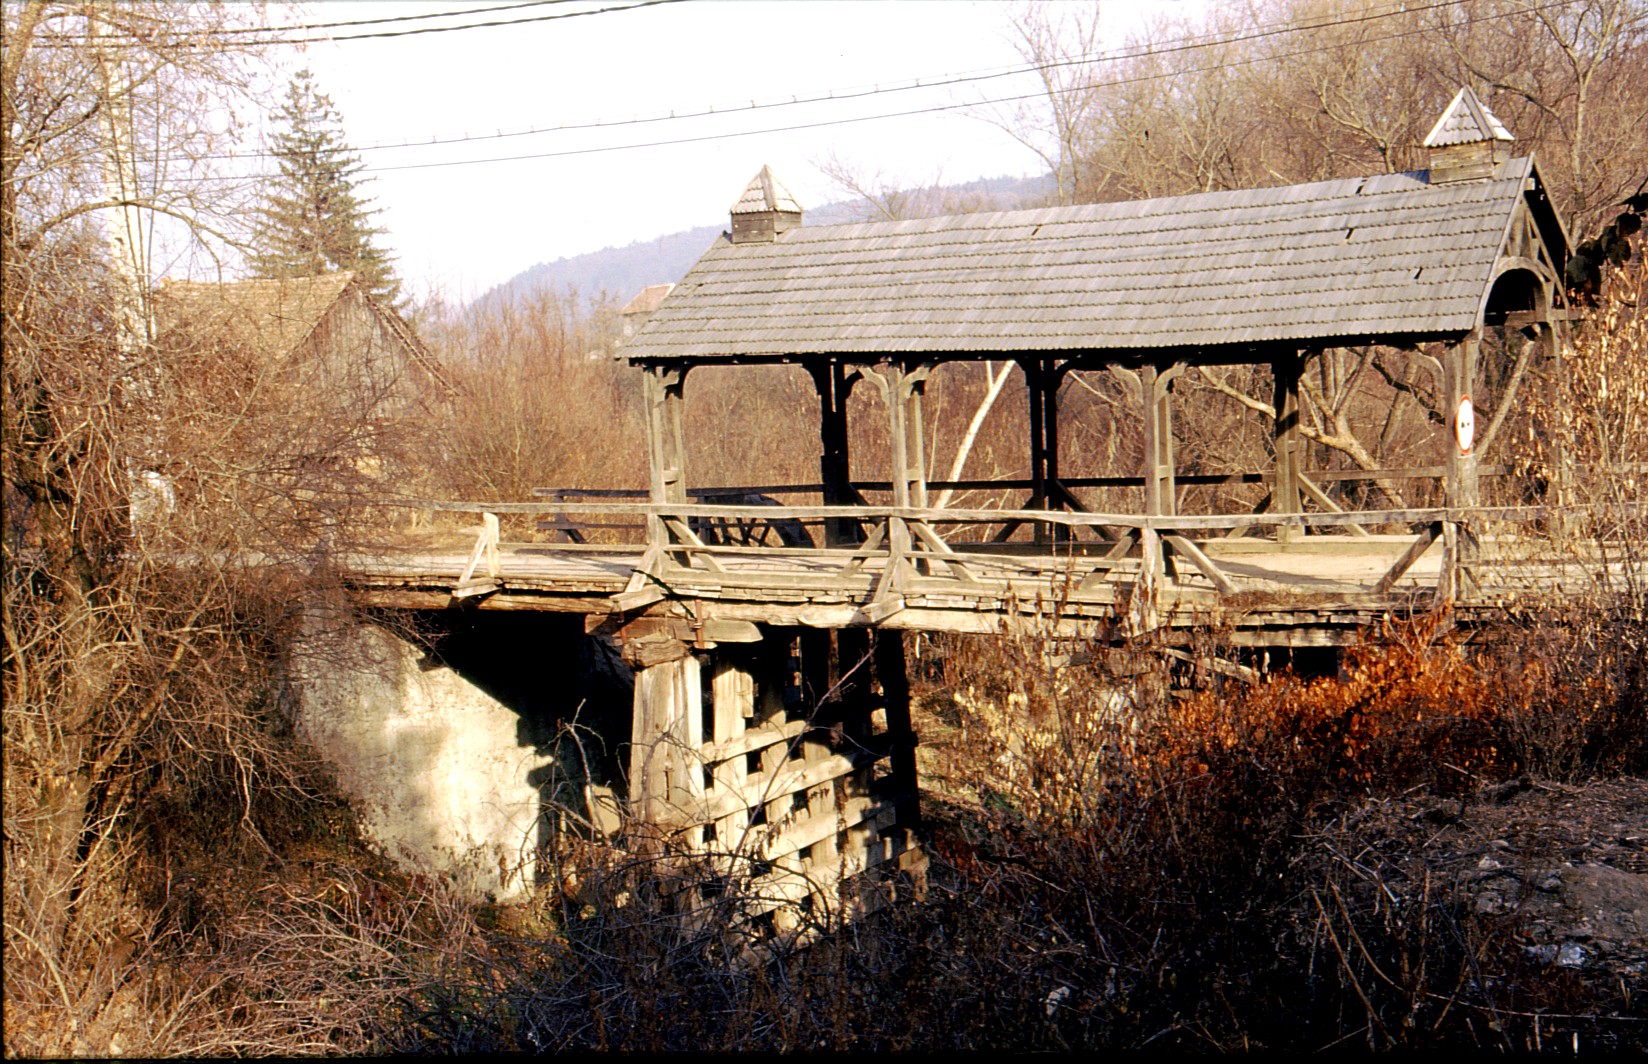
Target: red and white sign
point(1464, 425)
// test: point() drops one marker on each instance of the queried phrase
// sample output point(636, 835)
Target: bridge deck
point(1314, 589)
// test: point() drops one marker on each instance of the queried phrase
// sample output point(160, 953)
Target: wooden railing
point(1146, 558)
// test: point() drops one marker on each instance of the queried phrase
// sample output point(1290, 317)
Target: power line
point(935, 109)
point(212, 38)
point(1190, 43)
point(1186, 44)
point(307, 27)
point(468, 26)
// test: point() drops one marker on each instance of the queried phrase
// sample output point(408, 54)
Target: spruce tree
point(314, 219)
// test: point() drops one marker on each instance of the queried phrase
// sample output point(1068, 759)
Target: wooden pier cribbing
point(788, 765)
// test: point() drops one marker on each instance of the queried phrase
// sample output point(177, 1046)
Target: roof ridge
point(1142, 210)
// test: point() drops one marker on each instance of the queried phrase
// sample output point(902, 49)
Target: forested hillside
point(619, 273)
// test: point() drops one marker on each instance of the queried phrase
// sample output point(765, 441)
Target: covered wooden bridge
point(805, 742)
point(1144, 290)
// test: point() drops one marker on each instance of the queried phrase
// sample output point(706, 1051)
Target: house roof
point(647, 299)
point(273, 316)
point(1379, 256)
point(1466, 121)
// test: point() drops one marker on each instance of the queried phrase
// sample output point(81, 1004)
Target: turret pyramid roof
point(764, 193)
point(1466, 121)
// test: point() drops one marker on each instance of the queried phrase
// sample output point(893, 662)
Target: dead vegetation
point(1297, 865)
point(1291, 865)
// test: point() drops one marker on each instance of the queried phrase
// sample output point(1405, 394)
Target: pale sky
point(459, 229)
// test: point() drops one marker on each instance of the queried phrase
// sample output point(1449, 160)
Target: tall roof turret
point(765, 210)
point(1467, 142)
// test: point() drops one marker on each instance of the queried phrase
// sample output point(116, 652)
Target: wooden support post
point(666, 780)
point(1141, 610)
point(901, 389)
point(732, 698)
point(915, 386)
point(666, 444)
point(1044, 377)
point(815, 674)
point(855, 673)
point(1152, 444)
point(892, 673)
point(1160, 489)
point(1287, 369)
point(835, 386)
point(774, 677)
point(1459, 363)
point(1156, 393)
point(1164, 438)
point(1461, 487)
point(1035, 386)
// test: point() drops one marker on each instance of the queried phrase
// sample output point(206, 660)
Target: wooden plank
point(985, 484)
point(956, 516)
point(753, 739)
point(1310, 487)
point(1415, 550)
point(881, 608)
point(792, 777)
point(1203, 562)
point(629, 601)
point(866, 812)
point(478, 585)
point(732, 694)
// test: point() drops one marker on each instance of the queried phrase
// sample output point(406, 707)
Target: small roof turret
point(1467, 142)
point(1466, 121)
point(765, 210)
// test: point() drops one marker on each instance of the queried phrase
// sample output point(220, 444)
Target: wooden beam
point(835, 386)
point(1203, 562)
point(1323, 499)
point(665, 779)
point(1415, 550)
point(1287, 368)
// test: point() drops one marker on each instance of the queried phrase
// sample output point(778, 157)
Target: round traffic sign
point(1464, 425)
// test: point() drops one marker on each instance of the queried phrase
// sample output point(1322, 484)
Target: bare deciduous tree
point(143, 727)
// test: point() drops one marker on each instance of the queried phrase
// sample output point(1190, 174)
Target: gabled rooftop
point(272, 318)
point(1348, 261)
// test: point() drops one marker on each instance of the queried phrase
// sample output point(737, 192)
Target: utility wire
point(1189, 43)
point(308, 27)
point(1180, 46)
point(207, 39)
point(912, 112)
point(466, 26)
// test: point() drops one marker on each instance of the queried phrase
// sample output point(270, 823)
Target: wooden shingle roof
point(1390, 255)
point(271, 316)
point(1466, 121)
point(765, 193)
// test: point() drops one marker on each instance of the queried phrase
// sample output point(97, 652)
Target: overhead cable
point(1190, 43)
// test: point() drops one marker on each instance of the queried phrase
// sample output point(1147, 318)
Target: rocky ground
point(1569, 863)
